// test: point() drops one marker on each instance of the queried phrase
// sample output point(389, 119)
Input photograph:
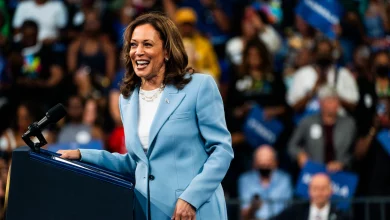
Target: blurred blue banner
point(94, 144)
point(259, 131)
point(384, 138)
point(343, 183)
point(321, 14)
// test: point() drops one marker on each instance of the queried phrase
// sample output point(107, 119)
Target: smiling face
point(147, 52)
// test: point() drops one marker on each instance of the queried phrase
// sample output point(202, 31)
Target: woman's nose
point(139, 51)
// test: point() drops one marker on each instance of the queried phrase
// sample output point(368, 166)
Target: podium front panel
point(45, 187)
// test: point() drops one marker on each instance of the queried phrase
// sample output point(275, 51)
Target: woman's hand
point(184, 211)
point(70, 154)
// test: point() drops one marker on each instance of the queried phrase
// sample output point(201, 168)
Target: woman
point(178, 145)
point(90, 54)
point(256, 83)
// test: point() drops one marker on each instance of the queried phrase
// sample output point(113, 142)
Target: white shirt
point(306, 77)
point(235, 46)
point(49, 16)
point(319, 214)
point(147, 111)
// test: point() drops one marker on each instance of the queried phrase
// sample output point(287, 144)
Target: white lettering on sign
point(322, 11)
point(261, 130)
point(338, 190)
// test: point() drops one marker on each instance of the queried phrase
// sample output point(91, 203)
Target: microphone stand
point(34, 131)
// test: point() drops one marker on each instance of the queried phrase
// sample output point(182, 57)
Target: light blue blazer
point(189, 154)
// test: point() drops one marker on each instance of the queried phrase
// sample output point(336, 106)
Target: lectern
point(45, 187)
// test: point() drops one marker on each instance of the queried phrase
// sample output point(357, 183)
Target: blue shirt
point(274, 197)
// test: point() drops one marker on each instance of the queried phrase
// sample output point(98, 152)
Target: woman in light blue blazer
point(179, 148)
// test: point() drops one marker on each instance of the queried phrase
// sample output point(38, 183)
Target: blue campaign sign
point(259, 131)
point(343, 183)
point(313, 107)
point(321, 14)
point(384, 138)
point(94, 144)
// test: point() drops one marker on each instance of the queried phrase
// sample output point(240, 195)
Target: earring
point(166, 59)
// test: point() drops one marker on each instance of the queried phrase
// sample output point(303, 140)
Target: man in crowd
point(320, 207)
point(265, 190)
point(325, 137)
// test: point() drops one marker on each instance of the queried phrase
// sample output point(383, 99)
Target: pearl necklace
point(151, 98)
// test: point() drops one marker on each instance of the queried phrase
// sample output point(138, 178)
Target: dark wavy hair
point(266, 58)
point(175, 67)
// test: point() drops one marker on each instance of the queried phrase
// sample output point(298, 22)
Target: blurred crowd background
point(330, 94)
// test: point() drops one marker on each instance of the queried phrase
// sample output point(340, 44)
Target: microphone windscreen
point(56, 113)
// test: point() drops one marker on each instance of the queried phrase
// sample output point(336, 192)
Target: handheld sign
point(343, 183)
point(259, 131)
point(384, 138)
point(321, 14)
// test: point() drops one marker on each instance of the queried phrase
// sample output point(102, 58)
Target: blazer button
point(151, 177)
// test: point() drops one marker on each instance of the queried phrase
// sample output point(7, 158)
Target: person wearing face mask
point(264, 190)
point(323, 71)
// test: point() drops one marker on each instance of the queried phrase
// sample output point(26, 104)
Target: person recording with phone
point(264, 190)
point(179, 148)
point(308, 79)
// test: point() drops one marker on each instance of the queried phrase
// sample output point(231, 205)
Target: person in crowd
point(320, 206)
point(308, 79)
point(326, 137)
point(126, 14)
point(214, 19)
point(199, 49)
point(51, 17)
point(89, 53)
point(26, 114)
point(365, 113)
point(160, 99)
point(299, 43)
point(116, 140)
point(5, 76)
point(376, 24)
point(36, 72)
point(370, 156)
point(92, 111)
point(75, 130)
point(265, 190)
point(256, 83)
point(254, 24)
point(371, 152)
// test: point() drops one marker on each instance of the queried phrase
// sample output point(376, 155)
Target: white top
point(306, 77)
point(147, 111)
point(319, 214)
point(235, 46)
point(49, 16)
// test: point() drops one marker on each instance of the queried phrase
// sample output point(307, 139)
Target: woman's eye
point(133, 45)
point(148, 45)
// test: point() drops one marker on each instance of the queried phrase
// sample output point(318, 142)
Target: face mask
point(265, 172)
point(324, 61)
point(382, 70)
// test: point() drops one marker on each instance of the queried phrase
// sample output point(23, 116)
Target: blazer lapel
point(133, 126)
point(170, 100)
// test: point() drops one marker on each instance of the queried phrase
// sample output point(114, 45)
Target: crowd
point(330, 94)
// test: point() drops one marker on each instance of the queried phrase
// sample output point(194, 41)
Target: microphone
point(52, 116)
